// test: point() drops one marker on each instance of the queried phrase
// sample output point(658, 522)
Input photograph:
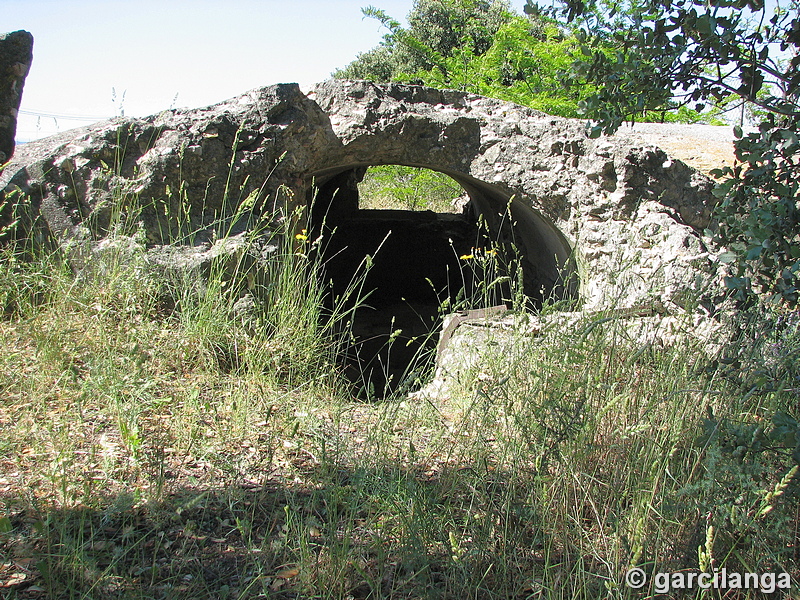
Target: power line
point(50, 115)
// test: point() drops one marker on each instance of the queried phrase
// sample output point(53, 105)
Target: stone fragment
point(16, 56)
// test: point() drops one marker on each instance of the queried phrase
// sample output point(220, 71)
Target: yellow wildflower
point(466, 256)
point(302, 236)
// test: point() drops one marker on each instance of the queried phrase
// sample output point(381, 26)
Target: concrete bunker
point(493, 149)
point(426, 264)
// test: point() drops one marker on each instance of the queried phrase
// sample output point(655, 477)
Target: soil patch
point(704, 147)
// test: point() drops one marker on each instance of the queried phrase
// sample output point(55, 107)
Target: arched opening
point(490, 249)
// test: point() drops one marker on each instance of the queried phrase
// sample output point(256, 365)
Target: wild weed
point(207, 447)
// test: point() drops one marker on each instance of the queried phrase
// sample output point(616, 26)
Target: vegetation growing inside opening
point(408, 188)
point(423, 264)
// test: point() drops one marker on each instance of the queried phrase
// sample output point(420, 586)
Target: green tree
point(408, 188)
point(436, 29)
point(524, 64)
point(446, 25)
point(476, 46)
point(692, 54)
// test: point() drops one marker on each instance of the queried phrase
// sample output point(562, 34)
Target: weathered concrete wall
point(591, 207)
point(16, 56)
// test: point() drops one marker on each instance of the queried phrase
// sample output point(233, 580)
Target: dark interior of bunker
point(422, 264)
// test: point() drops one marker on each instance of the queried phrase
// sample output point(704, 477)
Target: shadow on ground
point(391, 532)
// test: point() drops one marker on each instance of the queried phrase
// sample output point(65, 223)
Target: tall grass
point(161, 438)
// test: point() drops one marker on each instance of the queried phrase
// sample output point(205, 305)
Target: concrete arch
point(417, 268)
point(605, 201)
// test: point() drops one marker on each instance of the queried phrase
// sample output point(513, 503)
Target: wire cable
point(66, 117)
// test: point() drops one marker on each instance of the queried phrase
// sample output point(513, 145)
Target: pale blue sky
point(200, 50)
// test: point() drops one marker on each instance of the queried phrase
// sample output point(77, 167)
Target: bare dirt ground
point(704, 147)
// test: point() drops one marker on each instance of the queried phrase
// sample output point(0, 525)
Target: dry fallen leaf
point(24, 563)
point(15, 579)
point(288, 573)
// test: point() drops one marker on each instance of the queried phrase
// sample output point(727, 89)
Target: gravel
point(711, 133)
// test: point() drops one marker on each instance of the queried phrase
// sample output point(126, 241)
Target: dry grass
point(147, 454)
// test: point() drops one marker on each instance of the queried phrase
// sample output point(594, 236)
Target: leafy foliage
point(758, 214)
point(668, 54)
point(781, 436)
point(692, 54)
point(524, 64)
point(437, 29)
point(479, 47)
point(408, 188)
point(443, 26)
point(485, 48)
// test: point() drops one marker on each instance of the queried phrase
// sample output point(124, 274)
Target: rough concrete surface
point(611, 221)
